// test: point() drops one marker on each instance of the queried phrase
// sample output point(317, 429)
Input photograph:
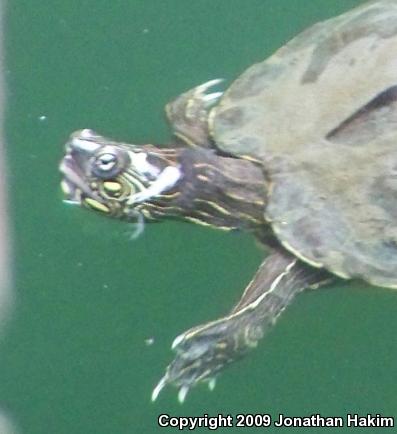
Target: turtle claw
point(210, 83)
point(212, 384)
point(159, 387)
point(188, 114)
point(201, 353)
point(211, 98)
point(177, 341)
point(200, 92)
point(201, 101)
point(183, 391)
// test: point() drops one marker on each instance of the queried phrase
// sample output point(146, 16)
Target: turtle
point(300, 151)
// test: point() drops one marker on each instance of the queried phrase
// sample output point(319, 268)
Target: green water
point(74, 357)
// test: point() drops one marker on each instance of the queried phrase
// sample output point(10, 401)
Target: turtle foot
point(202, 352)
point(188, 114)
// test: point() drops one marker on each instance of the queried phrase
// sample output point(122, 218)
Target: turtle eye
point(106, 162)
point(109, 164)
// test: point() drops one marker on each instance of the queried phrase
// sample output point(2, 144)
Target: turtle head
point(116, 179)
point(134, 181)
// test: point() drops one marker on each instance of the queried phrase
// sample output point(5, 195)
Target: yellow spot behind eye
point(92, 203)
point(112, 187)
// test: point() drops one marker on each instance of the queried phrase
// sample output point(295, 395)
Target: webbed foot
point(188, 114)
point(203, 351)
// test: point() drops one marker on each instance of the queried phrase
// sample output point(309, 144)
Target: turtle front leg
point(203, 351)
point(188, 114)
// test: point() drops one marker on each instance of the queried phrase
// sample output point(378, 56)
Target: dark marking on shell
point(361, 26)
point(376, 118)
point(303, 228)
point(233, 116)
point(389, 248)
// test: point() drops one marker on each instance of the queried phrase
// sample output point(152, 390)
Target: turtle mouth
point(73, 184)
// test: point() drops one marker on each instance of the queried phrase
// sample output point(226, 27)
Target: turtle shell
point(321, 116)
